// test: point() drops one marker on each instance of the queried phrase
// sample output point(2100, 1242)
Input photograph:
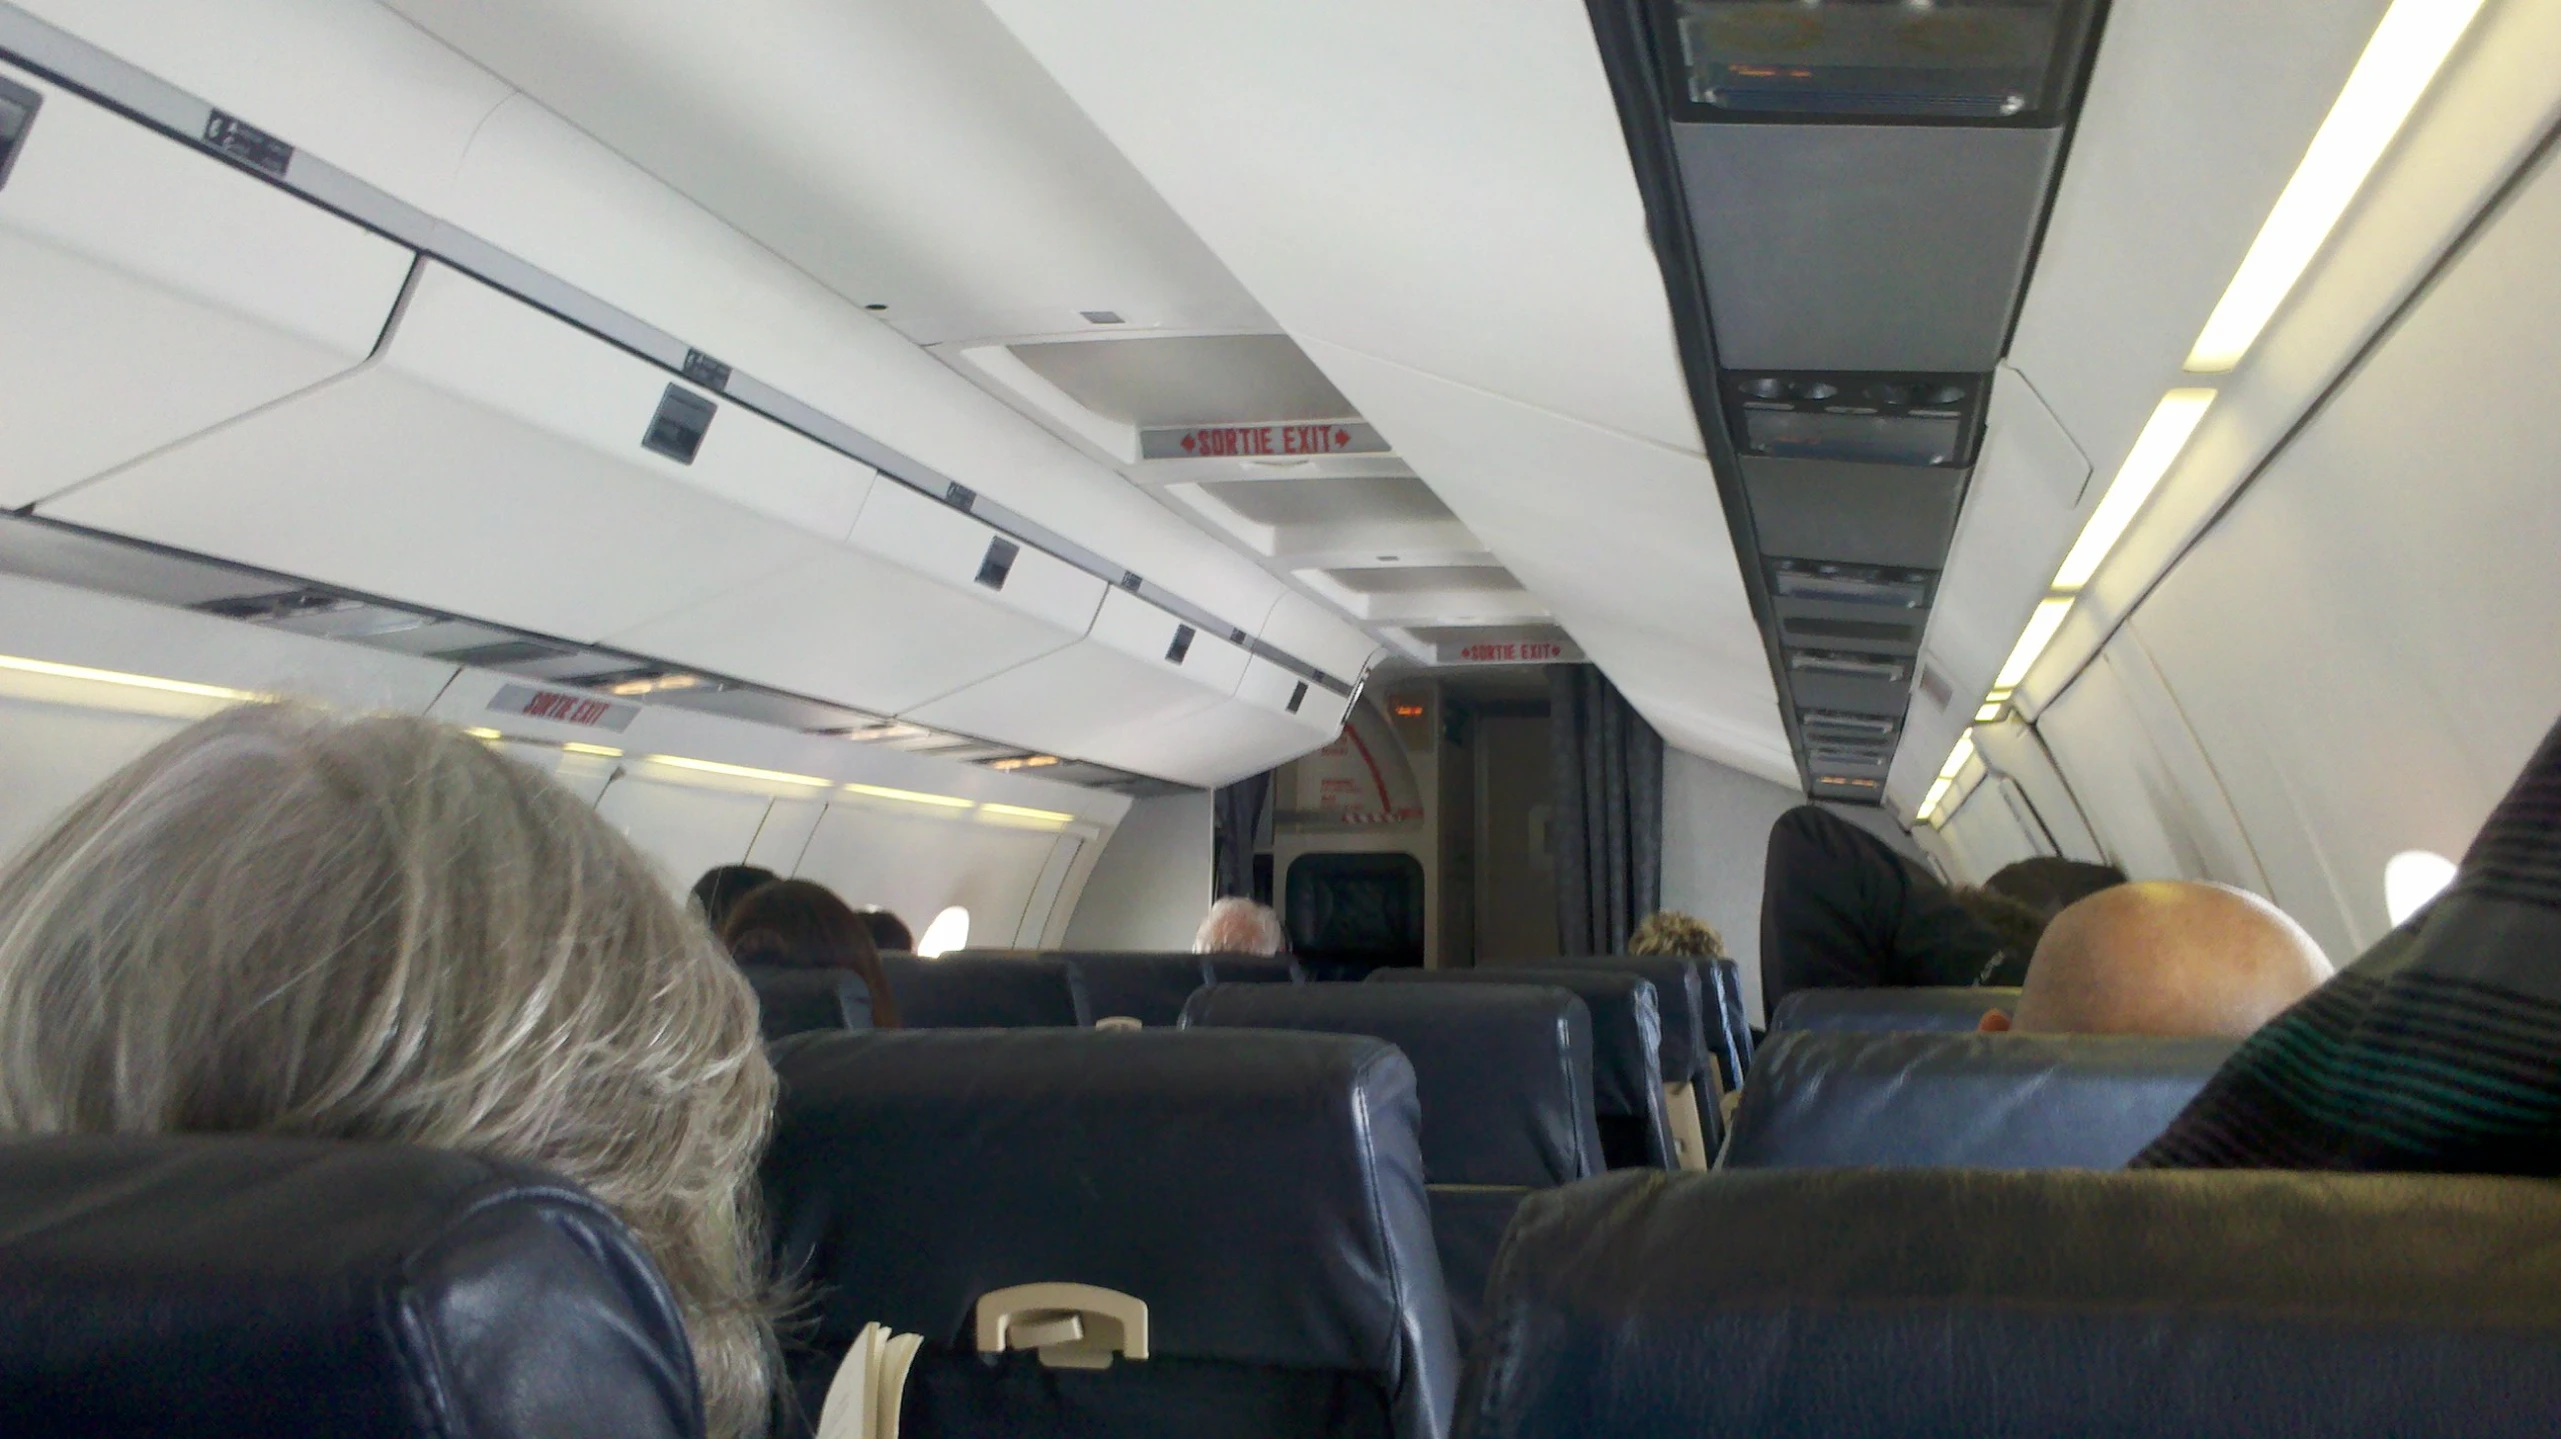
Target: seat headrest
point(1149, 988)
point(1890, 1009)
point(1262, 1192)
point(1504, 1071)
point(1252, 969)
point(1627, 1026)
point(1862, 1304)
point(984, 991)
point(1992, 1101)
point(175, 1287)
point(1679, 995)
point(794, 1001)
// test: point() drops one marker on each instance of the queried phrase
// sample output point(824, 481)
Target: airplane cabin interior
point(1511, 498)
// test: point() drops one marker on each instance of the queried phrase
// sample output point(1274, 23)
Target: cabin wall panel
point(1149, 888)
point(2150, 793)
point(52, 754)
point(2364, 641)
point(1989, 831)
point(682, 828)
point(918, 864)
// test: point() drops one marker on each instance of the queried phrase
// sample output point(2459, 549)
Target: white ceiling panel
point(905, 152)
point(1433, 182)
point(1624, 541)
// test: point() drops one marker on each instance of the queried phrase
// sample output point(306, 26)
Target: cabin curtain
point(1607, 835)
point(1236, 822)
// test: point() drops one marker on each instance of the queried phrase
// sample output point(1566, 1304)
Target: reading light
point(2040, 631)
point(2164, 435)
point(574, 747)
point(2399, 61)
point(118, 677)
point(940, 801)
point(738, 771)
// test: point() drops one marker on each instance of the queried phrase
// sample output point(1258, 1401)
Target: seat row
point(1226, 1232)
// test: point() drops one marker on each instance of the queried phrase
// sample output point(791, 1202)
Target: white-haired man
point(1239, 926)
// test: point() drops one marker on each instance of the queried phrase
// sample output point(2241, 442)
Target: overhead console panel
point(1847, 197)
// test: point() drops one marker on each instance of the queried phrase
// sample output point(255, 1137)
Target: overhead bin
point(1275, 716)
point(149, 290)
point(495, 462)
point(925, 601)
point(1105, 697)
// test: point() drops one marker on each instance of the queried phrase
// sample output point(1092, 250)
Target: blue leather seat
point(1993, 1101)
point(1505, 1076)
point(169, 1288)
point(794, 1001)
point(1736, 1048)
point(1151, 988)
point(1933, 1304)
point(1890, 1009)
point(975, 991)
point(1690, 1008)
point(1627, 1040)
point(1261, 1193)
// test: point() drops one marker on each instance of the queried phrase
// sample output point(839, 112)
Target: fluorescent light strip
point(738, 771)
point(2040, 632)
point(118, 677)
point(939, 801)
point(2155, 450)
point(1990, 711)
point(484, 735)
point(1930, 803)
point(1019, 812)
point(606, 750)
point(1957, 757)
point(2407, 50)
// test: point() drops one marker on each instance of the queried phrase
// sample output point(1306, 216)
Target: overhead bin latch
point(1073, 1326)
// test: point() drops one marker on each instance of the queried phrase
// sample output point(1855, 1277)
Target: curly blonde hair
point(286, 922)
point(1668, 931)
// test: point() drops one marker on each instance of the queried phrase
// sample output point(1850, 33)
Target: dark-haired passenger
point(889, 933)
point(801, 924)
point(723, 885)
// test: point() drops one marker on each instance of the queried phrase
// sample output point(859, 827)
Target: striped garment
point(2438, 1051)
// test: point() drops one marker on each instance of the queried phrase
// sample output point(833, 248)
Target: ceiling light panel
point(2408, 48)
point(2164, 436)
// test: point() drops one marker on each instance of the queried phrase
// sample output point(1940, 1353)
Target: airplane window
point(949, 931)
point(2411, 879)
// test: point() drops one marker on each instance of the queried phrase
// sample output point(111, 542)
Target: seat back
point(1692, 1080)
point(985, 991)
point(1260, 1193)
point(1736, 1050)
point(794, 1001)
point(1993, 1101)
point(1149, 988)
point(1505, 1077)
point(1863, 1304)
point(1627, 1029)
point(1252, 969)
point(165, 1288)
point(1890, 1009)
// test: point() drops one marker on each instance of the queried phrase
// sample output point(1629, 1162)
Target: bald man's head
point(2167, 957)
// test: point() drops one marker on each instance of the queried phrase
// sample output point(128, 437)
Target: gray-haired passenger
point(1239, 926)
point(285, 922)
